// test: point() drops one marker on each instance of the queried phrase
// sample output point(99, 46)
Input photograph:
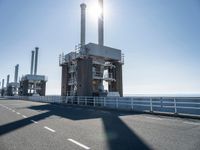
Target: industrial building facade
point(91, 67)
point(33, 84)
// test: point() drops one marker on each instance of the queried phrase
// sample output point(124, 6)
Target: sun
point(94, 10)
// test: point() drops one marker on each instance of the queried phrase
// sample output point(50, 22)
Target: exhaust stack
point(36, 60)
point(101, 24)
point(83, 19)
point(16, 73)
point(32, 62)
point(8, 78)
point(2, 83)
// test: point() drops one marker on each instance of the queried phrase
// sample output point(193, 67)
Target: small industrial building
point(92, 69)
point(33, 84)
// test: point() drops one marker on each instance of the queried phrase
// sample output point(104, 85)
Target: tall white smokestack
point(83, 19)
point(8, 78)
point(101, 24)
point(36, 60)
point(32, 61)
point(16, 73)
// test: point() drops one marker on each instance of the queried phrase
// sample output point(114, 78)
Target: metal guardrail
point(171, 105)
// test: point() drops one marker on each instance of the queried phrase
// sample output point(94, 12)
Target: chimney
point(101, 24)
point(16, 73)
point(8, 78)
point(32, 61)
point(83, 18)
point(2, 83)
point(36, 60)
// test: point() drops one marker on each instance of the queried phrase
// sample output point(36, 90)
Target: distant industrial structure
point(2, 88)
point(13, 87)
point(33, 84)
point(92, 69)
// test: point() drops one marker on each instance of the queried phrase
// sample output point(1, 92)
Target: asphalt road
point(26, 125)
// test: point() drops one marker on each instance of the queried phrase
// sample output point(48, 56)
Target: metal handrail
point(176, 105)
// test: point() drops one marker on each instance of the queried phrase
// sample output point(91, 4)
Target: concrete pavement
point(26, 125)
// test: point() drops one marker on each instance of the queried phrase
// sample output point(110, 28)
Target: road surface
point(26, 125)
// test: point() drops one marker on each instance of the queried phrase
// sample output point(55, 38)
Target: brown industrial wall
point(42, 92)
point(117, 74)
point(24, 88)
point(84, 77)
point(64, 83)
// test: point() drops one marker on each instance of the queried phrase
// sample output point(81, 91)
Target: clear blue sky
point(160, 40)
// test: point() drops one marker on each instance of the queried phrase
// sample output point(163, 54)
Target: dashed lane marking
point(24, 116)
point(18, 113)
point(79, 144)
point(34, 121)
point(49, 129)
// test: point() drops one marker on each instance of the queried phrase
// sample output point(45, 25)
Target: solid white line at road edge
point(49, 129)
point(154, 118)
point(81, 145)
point(192, 123)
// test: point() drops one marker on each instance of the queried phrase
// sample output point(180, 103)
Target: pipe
point(101, 24)
point(83, 20)
point(8, 78)
point(16, 73)
point(32, 61)
point(36, 60)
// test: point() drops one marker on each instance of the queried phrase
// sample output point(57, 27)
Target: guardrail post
point(132, 103)
point(94, 101)
point(104, 102)
point(117, 103)
point(151, 106)
point(72, 100)
point(85, 100)
point(78, 100)
point(175, 107)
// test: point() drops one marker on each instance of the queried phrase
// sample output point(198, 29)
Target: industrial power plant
point(85, 70)
point(90, 70)
point(29, 85)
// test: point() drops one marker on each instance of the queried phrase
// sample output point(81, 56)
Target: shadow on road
point(119, 135)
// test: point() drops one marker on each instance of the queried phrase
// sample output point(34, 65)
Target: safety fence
point(189, 106)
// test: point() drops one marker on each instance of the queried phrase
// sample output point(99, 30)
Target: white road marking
point(191, 123)
point(49, 129)
point(24, 116)
point(13, 110)
point(34, 121)
point(18, 113)
point(154, 118)
point(79, 144)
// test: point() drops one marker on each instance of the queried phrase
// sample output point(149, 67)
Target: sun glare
point(94, 10)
